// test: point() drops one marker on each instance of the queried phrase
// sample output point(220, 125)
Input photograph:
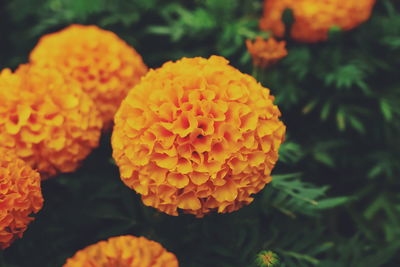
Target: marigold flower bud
point(199, 135)
point(105, 66)
point(267, 259)
point(20, 197)
point(127, 251)
point(266, 53)
point(314, 18)
point(46, 119)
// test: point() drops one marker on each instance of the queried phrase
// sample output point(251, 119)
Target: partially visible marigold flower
point(46, 119)
point(199, 135)
point(20, 196)
point(314, 18)
point(105, 66)
point(266, 53)
point(126, 251)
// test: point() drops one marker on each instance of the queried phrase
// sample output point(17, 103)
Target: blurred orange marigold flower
point(266, 52)
point(20, 197)
point(126, 251)
point(105, 65)
point(199, 135)
point(46, 119)
point(314, 18)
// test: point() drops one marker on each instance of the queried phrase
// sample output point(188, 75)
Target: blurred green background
point(335, 196)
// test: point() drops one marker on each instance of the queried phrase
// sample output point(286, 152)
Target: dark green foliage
point(334, 200)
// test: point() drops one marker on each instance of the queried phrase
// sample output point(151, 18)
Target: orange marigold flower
point(199, 135)
point(314, 18)
point(46, 119)
point(266, 53)
point(105, 65)
point(127, 251)
point(20, 197)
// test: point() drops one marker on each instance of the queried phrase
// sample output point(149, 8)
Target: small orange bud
point(266, 53)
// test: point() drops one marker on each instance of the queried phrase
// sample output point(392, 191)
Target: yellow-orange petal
point(189, 201)
point(178, 180)
point(226, 192)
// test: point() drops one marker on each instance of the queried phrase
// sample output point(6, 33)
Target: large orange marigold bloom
point(105, 65)
point(314, 18)
point(266, 52)
point(20, 197)
point(46, 119)
point(126, 251)
point(198, 135)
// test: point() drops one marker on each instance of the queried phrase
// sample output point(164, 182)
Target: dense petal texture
point(198, 135)
point(314, 18)
point(123, 251)
point(46, 119)
point(105, 66)
point(266, 52)
point(20, 196)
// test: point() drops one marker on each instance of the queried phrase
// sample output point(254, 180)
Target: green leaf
point(386, 109)
point(332, 202)
point(325, 110)
point(325, 158)
point(356, 124)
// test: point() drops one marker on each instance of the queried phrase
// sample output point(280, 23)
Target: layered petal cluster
point(199, 135)
point(266, 52)
point(126, 251)
point(46, 119)
point(314, 18)
point(105, 66)
point(20, 196)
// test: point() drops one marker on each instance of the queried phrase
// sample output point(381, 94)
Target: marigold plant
point(198, 135)
point(46, 119)
point(20, 196)
point(126, 251)
point(266, 52)
point(105, 66)
point(314, 18)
